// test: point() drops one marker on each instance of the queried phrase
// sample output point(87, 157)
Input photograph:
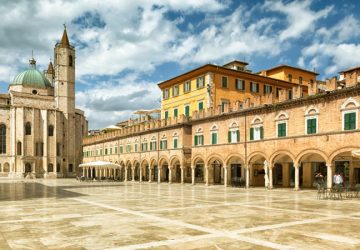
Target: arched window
point(18, 148)
point(50, 168)
point(51, 130)
point(70, 60)
point(2, 139)
point(28, 128)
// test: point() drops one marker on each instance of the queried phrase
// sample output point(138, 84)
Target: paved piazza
point(66, 214)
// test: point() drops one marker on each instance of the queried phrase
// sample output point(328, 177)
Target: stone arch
point(257, 153)
point(257, 119)
point(281, 152)
point(214, 171)
point(311, 151)
point(144, 162)
point(214, 127)
point(312, 110)
point(174, 159)
point(350, 101)
point(214, 156)
point(281, 116)
point(6, 167)
point(163, 159)
point(197, 158)
point(233, 155)
point(340, 151)
point(233, 124)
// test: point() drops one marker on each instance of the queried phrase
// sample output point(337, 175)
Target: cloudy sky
point(124, 48)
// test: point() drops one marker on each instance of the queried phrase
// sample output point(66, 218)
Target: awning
point(100, 164)
point(356, 153)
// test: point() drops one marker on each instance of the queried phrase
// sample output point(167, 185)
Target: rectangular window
point(175, 143)
point(106, 151)
point(201, 105)
point(257, 133)
point(233, 136)
point(200, 81)
point(300, 80)
point(290, 77)
point(281, 129)
point(213, 138)
point(278, 92)
point(254, 87)
point(136, 147)
point(175, 112)
point(152, 145)
point(187, 86)
point(350, 121)
point(121, 149)
point(163, 144)
point(223, 103)
point(187, 110)
point(111, 151)
point(128, 148)
point(165, 93)
point(166, 114)
point(239, 84)
point(115, 149)
point(144, 147)
point(224, 82)
point(267, 89)
point(100, 151)
point(175, 90)
point(198, 140)
point(290, 94)
point(311, 126)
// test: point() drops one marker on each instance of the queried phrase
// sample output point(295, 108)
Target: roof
point(236, 61)
point(65, 40)
point(111, 127)
point(32, 78)
point(50, 69)
point(348, 70)
point(292, 67)
point(147, 112)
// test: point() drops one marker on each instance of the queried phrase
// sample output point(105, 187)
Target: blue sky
point(124, 48)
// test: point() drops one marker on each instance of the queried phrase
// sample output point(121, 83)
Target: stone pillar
point(329, 175)
point(87, 173)
point(170, 174)
point(193, 175)
point(91, 173)
point(125, 179)
point(206, 175)
point(225, 175)
point(140, 177)
point(159, 175)
point(247, 176)
point(133, 174)
point(286, 176)
point(150, 174)
point(83, 171)
point(182, 174)
point(296, 177)
point(271, 177)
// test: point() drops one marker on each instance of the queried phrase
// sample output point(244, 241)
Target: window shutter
point(195, 140)
point(237, 135)
point(257, 88)
point(352, 120)
point(251, 134)
point(261, 133)
point(229, 136)
point(202, 139)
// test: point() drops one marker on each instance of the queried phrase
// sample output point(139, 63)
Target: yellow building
point(212, 85)
point(292, 74)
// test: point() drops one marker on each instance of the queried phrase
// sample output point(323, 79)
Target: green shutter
point(195, 140)
point(281, 129)
point(229, 136)
point(237, 135)
point(187, 110)
point(350, 121)
point(202, 139)
point(214, 138)
point(175, 143)
point(175, 112)
point(311, 126)
point(166, 114)
point(251, 134)
point(261, 132)
point(201, 106)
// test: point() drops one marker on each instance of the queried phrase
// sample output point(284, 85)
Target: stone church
point(41, 131)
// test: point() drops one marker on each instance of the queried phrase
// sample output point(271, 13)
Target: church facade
point(41, 131)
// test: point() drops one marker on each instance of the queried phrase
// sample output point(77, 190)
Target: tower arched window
point(70, 60)
point(51, 130)
point(18, 148)
point(28, 128)
point(2, 139)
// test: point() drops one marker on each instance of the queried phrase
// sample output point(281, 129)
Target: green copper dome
point(32, 78)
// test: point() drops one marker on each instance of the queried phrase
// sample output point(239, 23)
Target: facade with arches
point(287, 142)
point(41, 131)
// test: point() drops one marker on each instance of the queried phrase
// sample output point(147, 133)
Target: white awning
point(100, 164)
point(356, 153)
point(110, 128)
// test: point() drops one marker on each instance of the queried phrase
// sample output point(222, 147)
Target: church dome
point(32, 78)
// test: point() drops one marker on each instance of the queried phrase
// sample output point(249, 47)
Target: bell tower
point(64, 67)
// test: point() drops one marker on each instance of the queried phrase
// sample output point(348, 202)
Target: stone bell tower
point(64, 84)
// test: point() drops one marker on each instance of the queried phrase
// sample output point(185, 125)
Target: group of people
point(338, 179)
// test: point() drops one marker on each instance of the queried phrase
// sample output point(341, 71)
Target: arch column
point(271, 176)
point(126, 175)
point(329, 175)
point(206, 175)
point(193, 175)
point(159, 175)
point(182, 174)
point(225, 175)
point(150, 174)
point(133, 174)
point(83, 171)
point(296, 166)
point(140, 177)
point(91, 173)
point(170, 174)
point(247, 176)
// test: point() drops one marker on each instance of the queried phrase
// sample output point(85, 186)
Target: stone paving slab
point(67, 214)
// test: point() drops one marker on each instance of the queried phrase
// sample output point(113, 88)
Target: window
point(28, 128)
point(198, 140)
point(163, 144)
point(175, 90)
point(166, 114)
point(144, 146)
point(311, 125)
point(101, 152)
point(136, 147)
point(187, 86)
point(300, 80)
point(128, 148)
point(200, 82)
point(224, 82)
point(278, 92)
point(18, 148)
point(223, 103)
point(239, 84)
point(51, 130)
point(256, 133)
point(290, 94)
point(281, 129)
point(254, 87)
point(2, 139)
point(70, 60)
point(106, 151)
point(165, 93)
point(290, 77)
point(115, 149)
point(121, 149)
point(267, 89)
point(350, 120)
point(152, 145)
point(187, 110)
point(214, 138)
point(175, 112)
point(175, 143)
point(201, 105)
point(233, 135)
